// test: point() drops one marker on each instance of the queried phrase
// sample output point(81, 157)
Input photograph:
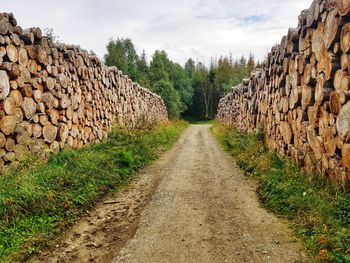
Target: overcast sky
point(184, 28)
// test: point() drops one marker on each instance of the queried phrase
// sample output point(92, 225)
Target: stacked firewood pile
point(301, 97)
point(55, 95)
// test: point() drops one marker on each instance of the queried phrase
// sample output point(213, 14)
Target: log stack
point(301, 96)
point(56, 95)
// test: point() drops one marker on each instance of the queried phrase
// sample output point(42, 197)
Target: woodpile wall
point(301, 97)
point(56, 95)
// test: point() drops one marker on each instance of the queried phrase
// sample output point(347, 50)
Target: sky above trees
point(200, 29)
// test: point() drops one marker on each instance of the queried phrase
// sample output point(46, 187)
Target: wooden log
point(12, 53)
point(32, 66)
point(323, 89)
point(343, 7)
point(343, 121)
point(2, 140)
point(20, 151)
point(50, 83)
point(22, 57)
point(4, 85)
point(55, 147)
point(49, 132)
point(63, 132)
point(286, 132)
point(344, 61)
point(32, 51)
point(318, 41)
point(24, 132)
point(346, 156)
point(334, 103)
point(54, 116)
point(331, 29)
point(48, 99)
point(8, 124)
point(307, 96)
point(10, 144)
point(42, 55)
point(62, 79)
point(18, 114)
point(29, 108)
point(330, 143)
point(28, 36)
point(341, 80)
point(4, 26)
point(37, 130)
point(345, 38)
point(314, 142)
point(312, 13)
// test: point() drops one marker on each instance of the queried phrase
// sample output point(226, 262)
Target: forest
point(191, 91)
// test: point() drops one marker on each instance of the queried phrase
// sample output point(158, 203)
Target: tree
point(159, 67)
point(193, 90)
point(223, 75)
point(121, 53)
point(190, 67)
point(201, 84)
point(165, 89)
point(182, 83)
point(251, 63)
point(143, 69)
point(50, 34)
point(159, 76)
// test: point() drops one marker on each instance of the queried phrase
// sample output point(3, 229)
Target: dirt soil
point(192, 205)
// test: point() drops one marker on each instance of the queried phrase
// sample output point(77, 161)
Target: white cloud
point(200, 29)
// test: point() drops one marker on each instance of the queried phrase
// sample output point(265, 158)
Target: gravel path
point(193, 205)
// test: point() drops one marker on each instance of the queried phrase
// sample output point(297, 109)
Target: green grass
point(319, 211)
point(38, 199)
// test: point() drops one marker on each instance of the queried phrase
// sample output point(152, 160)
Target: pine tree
point(251, 63)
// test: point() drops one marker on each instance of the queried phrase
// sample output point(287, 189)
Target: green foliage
point(143, 70)
point(190, 67)
point(210, 85)
point(170, 96)
point(38, 199)
point(320, 212)
point(182, 83)
point(121, 53)
point(192, 91)
point(202, 92)
point(159, 67)
point(171, 82)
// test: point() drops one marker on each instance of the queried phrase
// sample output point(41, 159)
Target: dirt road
point(193, 205)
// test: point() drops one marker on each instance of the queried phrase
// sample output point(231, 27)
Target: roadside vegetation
point(39, 199)
point(319, 211)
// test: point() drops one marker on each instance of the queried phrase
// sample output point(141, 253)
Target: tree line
point(192, 91)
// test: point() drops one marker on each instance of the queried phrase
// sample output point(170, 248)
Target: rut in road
point(193, 205)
